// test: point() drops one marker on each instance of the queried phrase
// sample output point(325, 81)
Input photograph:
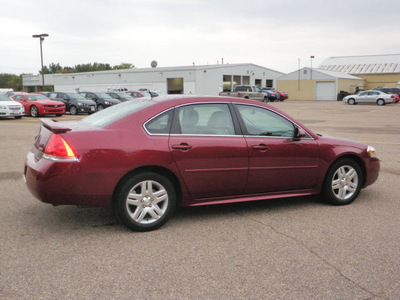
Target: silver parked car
point(372, 96)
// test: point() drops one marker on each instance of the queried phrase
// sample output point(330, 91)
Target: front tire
point(265, 99)
point(145, 201)
point(343, 182)
point(34, 111)
point(73, 110)
point(352, 101)
point(100, 107)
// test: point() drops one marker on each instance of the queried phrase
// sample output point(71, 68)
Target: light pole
point(41, 37)
point(311, 57)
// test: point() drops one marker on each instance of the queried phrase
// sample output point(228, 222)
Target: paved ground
point(284, 249)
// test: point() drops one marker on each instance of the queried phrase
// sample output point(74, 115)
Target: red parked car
point(39, 105)
point(145, 157)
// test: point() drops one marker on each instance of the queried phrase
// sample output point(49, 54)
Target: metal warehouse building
point(202, 80)
point(310, 84)
point(377, 70)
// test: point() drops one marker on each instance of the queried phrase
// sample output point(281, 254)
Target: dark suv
point(389, 90)
point(74, 102)
point(102, 99)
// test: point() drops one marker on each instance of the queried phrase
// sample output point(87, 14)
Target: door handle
point(261, 147)
point(182, 146)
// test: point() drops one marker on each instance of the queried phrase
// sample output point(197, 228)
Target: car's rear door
point(211, 155)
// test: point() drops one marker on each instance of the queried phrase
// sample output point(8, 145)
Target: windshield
point(116, 112)
point(76, 96)
point(4, 98)
point(37, 97)
point(104, 96)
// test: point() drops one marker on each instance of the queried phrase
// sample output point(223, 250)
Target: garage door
point(326, 90)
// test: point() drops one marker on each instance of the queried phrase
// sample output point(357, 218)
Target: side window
point(205, 119)
point(263, 122)
point(52, 95)
point(160, 124)
point(19, 98)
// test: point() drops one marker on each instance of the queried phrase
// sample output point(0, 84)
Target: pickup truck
point(247, 92)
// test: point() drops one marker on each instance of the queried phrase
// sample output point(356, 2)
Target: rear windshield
point(116, 112)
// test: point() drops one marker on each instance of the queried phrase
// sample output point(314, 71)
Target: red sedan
point(145, 157)
point(39, 105)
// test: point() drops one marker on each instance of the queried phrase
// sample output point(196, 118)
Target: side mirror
point(299, 133)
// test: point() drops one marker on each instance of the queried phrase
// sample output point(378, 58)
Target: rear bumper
point(60, 183)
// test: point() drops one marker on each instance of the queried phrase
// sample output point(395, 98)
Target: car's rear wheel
point(145, 201)
point(380, 102)
point(352, 101)
point(73, 110)
point(343, 182)
point(34, 111)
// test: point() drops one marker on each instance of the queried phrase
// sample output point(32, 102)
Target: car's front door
point(277, 161)
point(211, 157)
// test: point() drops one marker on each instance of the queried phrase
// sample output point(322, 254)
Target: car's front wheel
point(34, 111)
point(352, 101)
point(145, 201)
point(73, 110)
point(343, 182)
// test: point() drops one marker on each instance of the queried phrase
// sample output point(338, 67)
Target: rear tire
point(145, 201)
point(380, 102)
point(343, 182)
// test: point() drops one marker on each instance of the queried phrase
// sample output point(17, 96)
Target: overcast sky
point(272, 34)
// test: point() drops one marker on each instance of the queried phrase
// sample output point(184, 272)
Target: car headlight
point(371, 151)
point(106, 103)
point(2, 107)
point(80, 103)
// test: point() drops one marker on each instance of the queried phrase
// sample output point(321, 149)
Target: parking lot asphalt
point(297, 248)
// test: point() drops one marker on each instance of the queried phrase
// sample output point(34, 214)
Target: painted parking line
point(375, 142)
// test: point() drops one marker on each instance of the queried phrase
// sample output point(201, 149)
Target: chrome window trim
point(155, 134)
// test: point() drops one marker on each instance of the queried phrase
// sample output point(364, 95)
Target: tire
point(380, 102)
point(352, 101)
point(58, 115)
point(100, 107)
point(73, 110)
point(19, 117)
point(34, 111)
point(343, 182)
point(265, 99)
point(145, 201)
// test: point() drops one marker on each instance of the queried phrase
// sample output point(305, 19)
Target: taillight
point(238, 94)
point(58, 149)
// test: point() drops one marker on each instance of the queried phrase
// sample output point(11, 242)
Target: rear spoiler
point(53, 126)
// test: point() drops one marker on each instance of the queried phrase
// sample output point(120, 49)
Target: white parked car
point(10, 108)
point(372, 96)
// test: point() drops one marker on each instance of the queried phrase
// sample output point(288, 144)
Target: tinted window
point(116, 112)
point(205, 119)
point(160, 124)
point(263, 122)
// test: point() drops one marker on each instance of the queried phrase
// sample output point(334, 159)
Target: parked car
point(281, 96)
point(139, 94)
point(378, 97)
point(121, 96)
point(103, 100)
point(146, 156)
point(37, 105)
point(247, 92)
point(389, 90)
point(272, 96)
point(10, 108)
point(74, 102)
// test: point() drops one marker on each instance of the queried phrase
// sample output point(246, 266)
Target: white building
point(201, 80)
